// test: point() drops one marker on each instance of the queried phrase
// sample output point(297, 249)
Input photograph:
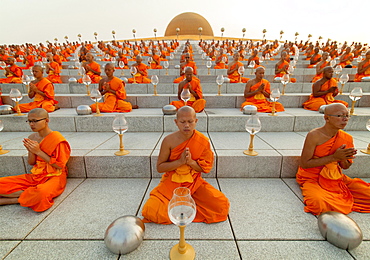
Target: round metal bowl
point(83, 110)
point(249, 110)
point(169, 110)
point(6, 109)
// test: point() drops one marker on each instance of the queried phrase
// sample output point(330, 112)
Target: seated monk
point(196, 100)
point(183, 65)
point(326, 151)
point(346, 59)
point(48, 152)
point(53, 69)
point(141, 75)
point(42, 90)
point(221, 60)
point(186, 52)
point(323, 92)
point(13, 73)
point(123, 58)
point(183, 156)
point(363, 69)
point(315, 58)
point(254, 58)
point(92, 69)
point(155, 62)
point(113, 90)
point(3, 56)
point(320, 66)
point(257, 91)
point(233, 70)
point(281, 67)
point(29, 60)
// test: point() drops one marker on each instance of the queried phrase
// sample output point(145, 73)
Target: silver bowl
point(124, 235)
point(169, 110)
point(249, 110)
point(340, 230)
point(83, 110)
point(72, 80)
point(6, 109)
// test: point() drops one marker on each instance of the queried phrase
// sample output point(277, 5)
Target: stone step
point(210, 120)
point(93, 154)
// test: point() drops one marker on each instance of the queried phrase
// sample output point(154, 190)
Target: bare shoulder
point(35, 137)
point(316, 136)
point(170, 140)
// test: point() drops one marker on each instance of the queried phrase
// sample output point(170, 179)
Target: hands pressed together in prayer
point(186, 157)
point(31, 146)
point(343, 153)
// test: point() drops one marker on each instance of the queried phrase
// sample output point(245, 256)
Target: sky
point(37, 21)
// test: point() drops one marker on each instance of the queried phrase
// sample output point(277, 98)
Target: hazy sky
point(40, 20)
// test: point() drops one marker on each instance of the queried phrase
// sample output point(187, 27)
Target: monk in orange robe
point(282, 66)
point(3, 56)
point(327, 150)
point(196, 100)
point(29, 60)
point(315, 58)
point(183, 156)
point(48, 152)
point(42, 90)
point(257, 91)
point(221, 60)
point(53, 70)
point(320, 67)
point(123, 58)
point(92, 69)
point(323, 92)
point(233, 70)
point(141, 75)
point(183, 65)
point(346, 59)
point(13, 72)
point(254, 58)
point(363, 69)
point(113, 90)
point(155, 61)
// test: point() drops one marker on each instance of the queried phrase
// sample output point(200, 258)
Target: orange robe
point(141, 78)
point(46, 103)
point(281, 65)
point(114, 102)
point(95, 78)
point(260, 101)
point(30, 61)
point(13, 78)
point(366, 73)
point(235, 76)
point(348, 58)
point(314, 103)
point(54, 76)
point(197, 104)
point(212, 205)
point(45, 182)
point(332, 192)
point(155, 65)
point(314, 60)
point(191, 64)
point(319, 76)
point(220, 64)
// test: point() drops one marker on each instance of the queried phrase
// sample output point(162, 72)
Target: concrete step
point(93, 154)
point(210, 120)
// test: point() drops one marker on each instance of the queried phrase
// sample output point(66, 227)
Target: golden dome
point(189, 23)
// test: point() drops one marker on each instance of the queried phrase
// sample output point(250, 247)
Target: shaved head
point(260, 68)
point(334, 107)
point(39, 112)
point(327, 69)
point(184, 110)
point(109, 65)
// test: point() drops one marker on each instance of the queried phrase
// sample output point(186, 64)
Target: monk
point(254, 58)
point(53, 69)
point(48, 152)
point(257, 91)
point(183, 65)
point(13, 73)
point(326, 151)
point(233, 70)
point(196, 100)
point(363, 69)
point(282, 66)
point(323, 92)
point(92, 69)
point(113, 90)
point(155, 61)
point(42, 90)
point(183, 156)
point(123, 58)
point(346, 58)
point(29, 60)
point(320, 67)
point(141, 75)
point(315, 58)
point(221, 60)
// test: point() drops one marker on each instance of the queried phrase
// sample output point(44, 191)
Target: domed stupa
point(189, 23)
